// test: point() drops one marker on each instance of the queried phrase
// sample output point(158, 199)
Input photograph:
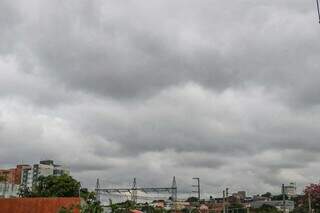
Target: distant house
point(158, 203)
point(203, 208)
point(135, 211)
point(289, 204)
point(217, 207)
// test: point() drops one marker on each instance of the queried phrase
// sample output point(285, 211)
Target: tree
point(314, 191)
point(279, 197)
point(56, 186)
point(265, 208)
point(92, 205)
point(24, 191)
point(192, 199)
point(3, 178)
point(268, 194)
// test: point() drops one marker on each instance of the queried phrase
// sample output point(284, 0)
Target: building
point(13, 175)
point(27, 176)
point(12, 179)
point(290, 190)
point(240, 196)
point(260, 198)
point(288, 205)
point(44, 168)
point(203, 208)
point(217, 207)
point(8, 190)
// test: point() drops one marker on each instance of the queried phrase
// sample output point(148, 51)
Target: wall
point(36, 205)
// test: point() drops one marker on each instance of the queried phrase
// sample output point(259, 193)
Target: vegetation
point(92, 205)
point(3, 178)
point(192, 199)
point(52, 186)
point(267, 209)
point(122, 207)
point(237, 207)
point(279, 197)
point(302, 205)
point(268, 194)
point(24, 191)
point(63, 186)
point(314, 191)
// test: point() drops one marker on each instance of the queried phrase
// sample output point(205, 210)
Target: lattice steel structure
point(134, 189)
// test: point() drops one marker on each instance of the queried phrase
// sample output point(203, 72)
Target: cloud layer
point(224, 91)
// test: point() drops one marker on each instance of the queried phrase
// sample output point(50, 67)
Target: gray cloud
point(224, 91)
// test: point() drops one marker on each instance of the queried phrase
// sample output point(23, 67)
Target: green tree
point(56, 186)
point(92, 205)
point(24, 191)
point(265, 208)
point(268, 194)
point(279, 197)
point(3, 178)
point(192, 199)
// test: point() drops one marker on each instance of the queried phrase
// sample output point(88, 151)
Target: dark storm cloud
point(122, 50)
point(155, 89)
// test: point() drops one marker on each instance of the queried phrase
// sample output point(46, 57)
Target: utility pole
point(174, 190)
point(309, 202)
point(227, 200)
point(283, 199)
point(97, 190)
point(197, 187)
point(134, 191)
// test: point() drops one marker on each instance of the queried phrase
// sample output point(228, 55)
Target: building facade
point(27, 176)
point(290, 190)
point(11, 179)
point(286, 206)
point(43, 168)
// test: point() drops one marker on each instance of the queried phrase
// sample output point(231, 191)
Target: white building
point(45, 168)
point(8, 190)
point(290, 190)
point(288, 205)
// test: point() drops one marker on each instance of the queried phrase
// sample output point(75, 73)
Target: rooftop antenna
point(318, 9)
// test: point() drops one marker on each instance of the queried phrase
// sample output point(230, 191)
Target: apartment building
point(26, 175)
point(43, 168)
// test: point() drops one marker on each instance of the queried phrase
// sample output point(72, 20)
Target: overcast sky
point(224, 90)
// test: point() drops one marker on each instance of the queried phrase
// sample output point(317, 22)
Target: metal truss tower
point(197, 186)
point(134, 191)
